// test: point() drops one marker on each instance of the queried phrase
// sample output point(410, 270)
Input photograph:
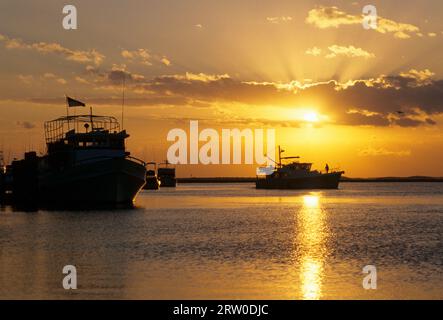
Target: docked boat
point(152, 181)
point(296, 175)
point(166, 175)
point(86, 164)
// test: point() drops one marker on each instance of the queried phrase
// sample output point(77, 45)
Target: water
point(230, 241)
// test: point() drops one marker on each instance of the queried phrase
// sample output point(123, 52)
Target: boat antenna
point(67, 110)
point(91, 117)
point(123, 96)
point(271, 159)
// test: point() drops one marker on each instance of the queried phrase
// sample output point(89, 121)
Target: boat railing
point(56, 130)
point(137, 160)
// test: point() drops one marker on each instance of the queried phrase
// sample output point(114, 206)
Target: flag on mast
point(74, 103)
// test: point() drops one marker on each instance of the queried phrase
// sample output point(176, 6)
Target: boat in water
point(296, 175)
point(166, 175)
point(86, 164)
point(152, 181)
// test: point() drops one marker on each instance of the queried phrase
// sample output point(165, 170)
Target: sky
point(369, 102)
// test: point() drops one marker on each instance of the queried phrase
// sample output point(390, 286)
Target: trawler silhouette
point(86, 164)
point(296, 175)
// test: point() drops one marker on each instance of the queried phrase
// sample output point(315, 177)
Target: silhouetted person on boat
point(327, 168)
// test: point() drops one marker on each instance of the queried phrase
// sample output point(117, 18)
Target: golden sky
point(367, 101)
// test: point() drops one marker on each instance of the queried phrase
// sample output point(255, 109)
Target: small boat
point(152, 182)
point(296, 175)
point(86, 164)
point(166, 175)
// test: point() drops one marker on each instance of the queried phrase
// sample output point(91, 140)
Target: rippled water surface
point(231, 241)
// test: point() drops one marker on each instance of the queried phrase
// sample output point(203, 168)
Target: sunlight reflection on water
point(311, 239)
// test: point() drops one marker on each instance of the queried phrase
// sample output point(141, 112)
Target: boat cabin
point(298, 166)
point(85, 137)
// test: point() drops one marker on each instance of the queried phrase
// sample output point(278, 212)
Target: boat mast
point(123, 97)
point(90, 115)
point(67, 110)
point(279, 156)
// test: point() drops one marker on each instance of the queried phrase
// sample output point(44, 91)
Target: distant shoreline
point(343, 179)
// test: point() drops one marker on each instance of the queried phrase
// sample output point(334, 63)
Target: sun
point(311, 116)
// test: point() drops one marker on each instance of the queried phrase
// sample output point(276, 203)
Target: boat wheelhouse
point(90, 136)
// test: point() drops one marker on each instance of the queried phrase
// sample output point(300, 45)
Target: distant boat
point(296, 175)
point(81, 167)
point(152, 182)
point(166, 175)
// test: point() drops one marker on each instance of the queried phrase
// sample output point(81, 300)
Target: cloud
point(350, 51)
point(142, 55)
point(372, 102)
point(49, 75)
point(421, 78)
point(278, 20)
point(26, 79)
point(145, 57)
point(376, 152)
point(81, 80)
point(26, 124)
point(200, 26)
point(165, 61)
point(91, 56)
point(314, 51)
point(118, 73)
point(364, 117)
point(410, 99)
point(200, 77)
point(331, 17)
point(335, 51)
point(368, 102)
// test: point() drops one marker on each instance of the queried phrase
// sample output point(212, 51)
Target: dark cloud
point(116, 77)
point(137, 102)
point(25, 124)
point(408, 122)
point(376, 120)
point(372, 102)
point(379, 98)
point(430, 121)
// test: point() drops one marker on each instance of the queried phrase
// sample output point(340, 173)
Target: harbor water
point(231, 241)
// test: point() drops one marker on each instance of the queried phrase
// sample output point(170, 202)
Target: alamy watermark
point(370, 281)
point(70, 280)
point(252, 142)
point(70, 20)
point(369, 17)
